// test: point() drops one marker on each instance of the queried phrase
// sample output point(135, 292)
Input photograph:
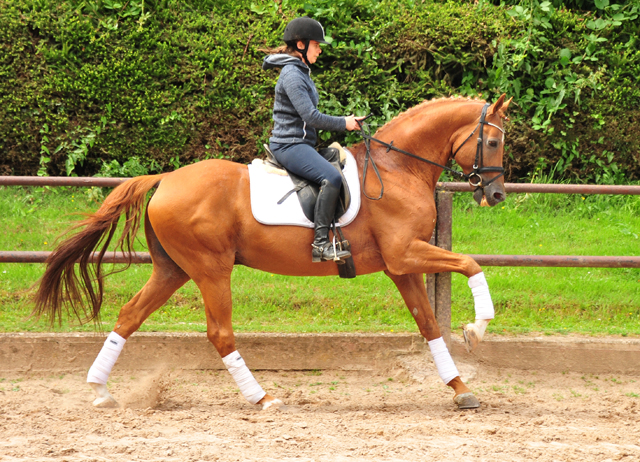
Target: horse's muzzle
point(490, 195)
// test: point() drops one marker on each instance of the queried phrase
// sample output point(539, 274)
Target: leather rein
point(474, 178)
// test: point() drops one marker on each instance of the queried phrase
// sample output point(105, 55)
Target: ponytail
point(288, 49)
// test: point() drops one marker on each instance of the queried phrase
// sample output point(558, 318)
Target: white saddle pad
point(268, 187)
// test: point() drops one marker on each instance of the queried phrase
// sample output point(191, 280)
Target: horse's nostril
point(498, 196)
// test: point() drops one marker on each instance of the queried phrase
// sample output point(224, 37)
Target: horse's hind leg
point(414, 293)
point(166, 278)
point(216, 292)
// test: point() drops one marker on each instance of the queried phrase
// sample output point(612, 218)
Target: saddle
point(307, 191)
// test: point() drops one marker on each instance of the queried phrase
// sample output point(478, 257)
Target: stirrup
point(329, 251)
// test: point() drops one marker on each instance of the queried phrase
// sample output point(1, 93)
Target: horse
point(198, 225)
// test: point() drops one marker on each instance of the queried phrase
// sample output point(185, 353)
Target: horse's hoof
point(274, 403)
point(466, 401)
point(471, 337)
point(103, 397)
point(105, 402)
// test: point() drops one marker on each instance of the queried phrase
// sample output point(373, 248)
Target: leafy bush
point(111, 87)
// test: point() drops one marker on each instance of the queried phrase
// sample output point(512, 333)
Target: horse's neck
point(427, 134)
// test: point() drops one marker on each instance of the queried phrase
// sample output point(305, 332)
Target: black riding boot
point(324, 214)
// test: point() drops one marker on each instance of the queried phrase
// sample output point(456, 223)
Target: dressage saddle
point(308, 191)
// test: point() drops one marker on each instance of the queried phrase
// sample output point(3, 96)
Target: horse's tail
point(60, 285)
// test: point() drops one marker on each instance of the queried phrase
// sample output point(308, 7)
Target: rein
point(474, 178)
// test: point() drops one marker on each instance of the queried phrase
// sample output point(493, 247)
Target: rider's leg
point(322, 249)
point(303, 160)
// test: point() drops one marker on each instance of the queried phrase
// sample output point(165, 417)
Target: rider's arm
point(298, 94)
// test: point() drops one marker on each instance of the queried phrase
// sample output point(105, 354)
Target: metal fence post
point(439, 285)
point(430, 279)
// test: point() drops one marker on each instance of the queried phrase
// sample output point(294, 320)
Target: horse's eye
point(493, 143)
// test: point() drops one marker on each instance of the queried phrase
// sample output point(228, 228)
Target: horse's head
point(482, 161)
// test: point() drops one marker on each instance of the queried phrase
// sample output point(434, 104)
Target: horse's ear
point(505, 106)
point(500, 107)
point(495, 107)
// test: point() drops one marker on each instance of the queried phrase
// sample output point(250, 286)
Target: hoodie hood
point(281, 60)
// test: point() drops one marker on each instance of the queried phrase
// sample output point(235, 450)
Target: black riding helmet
point(304, 29)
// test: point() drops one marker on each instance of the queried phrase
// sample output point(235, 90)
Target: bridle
point(474, 177)
point(477, 164)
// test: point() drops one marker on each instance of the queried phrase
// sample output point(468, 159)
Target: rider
point(296, 119)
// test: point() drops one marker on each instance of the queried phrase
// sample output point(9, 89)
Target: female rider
point(296, 119)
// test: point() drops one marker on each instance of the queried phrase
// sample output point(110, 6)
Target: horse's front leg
point(414, 293)
point(474, 332)
point(421, 257)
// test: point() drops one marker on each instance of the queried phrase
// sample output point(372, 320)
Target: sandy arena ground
point(401, 414)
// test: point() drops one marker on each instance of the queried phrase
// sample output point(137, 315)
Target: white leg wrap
point(245, 380)
point(446, 368)
point(481, 297)
point(99, 372)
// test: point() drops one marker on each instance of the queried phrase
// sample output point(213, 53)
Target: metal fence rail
point(41, 257)
point(557, 261)
point(549, 188)
point(442, 186)
point(60, 181)
point(561, 261)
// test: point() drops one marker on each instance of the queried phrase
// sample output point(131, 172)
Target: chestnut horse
point(198, 225)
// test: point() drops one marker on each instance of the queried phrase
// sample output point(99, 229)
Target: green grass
point(592, 301)
point(555, 300)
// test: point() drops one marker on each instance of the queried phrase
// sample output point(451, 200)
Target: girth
point(307, 191)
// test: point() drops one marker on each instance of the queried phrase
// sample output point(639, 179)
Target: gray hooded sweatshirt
point(295, 110)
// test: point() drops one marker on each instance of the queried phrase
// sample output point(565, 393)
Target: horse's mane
point(432, 102)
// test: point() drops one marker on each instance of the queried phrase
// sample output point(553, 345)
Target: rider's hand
point(352, 123)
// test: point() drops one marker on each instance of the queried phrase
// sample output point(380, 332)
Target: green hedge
point(121, 88)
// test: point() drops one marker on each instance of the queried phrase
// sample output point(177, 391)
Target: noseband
point(474, 178)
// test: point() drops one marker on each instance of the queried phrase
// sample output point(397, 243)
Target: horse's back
point(204, 184)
